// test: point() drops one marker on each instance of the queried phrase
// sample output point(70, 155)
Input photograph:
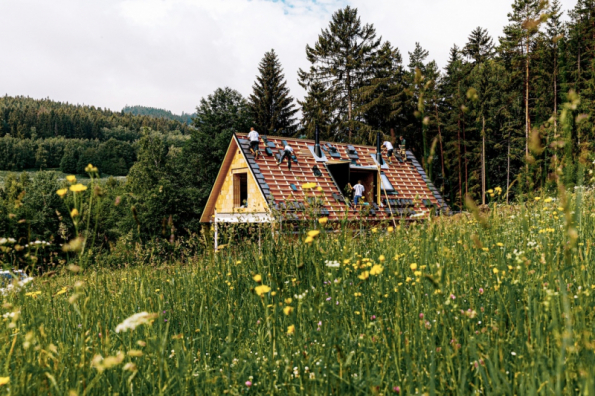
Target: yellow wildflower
point(157, 290)
point(381, 258)
point(319, 188)
point(490, 191)
point(78, 187)
point(309, 239)
point(257, 278)
point(495, 270)
point(262, 289)
point(376, 270)
point(33, 294)
point(485, 249)
point(308, 186)
point(287, 310)
point(313, 233)
point(323, 220)
point(62, 291)
point(390, 229)
point(548, 200)
point(288, 300)
point(537, 198)
point(413, 266)
point(74, 212)
point(364, 275)
point(71, 178)
point(374, 230)
point(417, 273)
point(290, 329)
point(62, 192)
point(4, 380)
point(500, 244)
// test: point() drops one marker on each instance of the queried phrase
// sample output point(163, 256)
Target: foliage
point(497, 303)
point(272, 108)
point(158, 113)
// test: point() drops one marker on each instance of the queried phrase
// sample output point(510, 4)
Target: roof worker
point(287, 152)
point(358, 192)
point(389, 150)
point(402, 147)
point(254, 138)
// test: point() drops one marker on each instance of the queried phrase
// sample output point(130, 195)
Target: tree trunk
point(460, 165)
point(440, 137)
point(483, 162)
point(465, 158)
point(349, 103)
point(508, 170)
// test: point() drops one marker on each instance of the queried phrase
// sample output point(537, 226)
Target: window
point(386, 183)
point(240, 190)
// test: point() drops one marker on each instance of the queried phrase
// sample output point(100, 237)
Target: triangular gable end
point(232, 156)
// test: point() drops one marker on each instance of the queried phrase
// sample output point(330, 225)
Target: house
point(249, 190)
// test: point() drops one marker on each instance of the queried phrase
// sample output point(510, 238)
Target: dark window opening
point(240, 190)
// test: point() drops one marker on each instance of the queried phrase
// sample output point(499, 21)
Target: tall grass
point(500, 303)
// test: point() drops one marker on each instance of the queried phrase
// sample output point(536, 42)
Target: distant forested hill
point(159, 113)
point(24, 117)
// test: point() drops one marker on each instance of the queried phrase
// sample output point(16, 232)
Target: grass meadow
point(499, 302)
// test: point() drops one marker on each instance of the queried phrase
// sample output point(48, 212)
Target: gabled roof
point(283, 187)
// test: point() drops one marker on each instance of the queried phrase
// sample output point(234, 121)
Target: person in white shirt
point(254, 138)
point(358, 192)
point(389, 150)
point(287, 152)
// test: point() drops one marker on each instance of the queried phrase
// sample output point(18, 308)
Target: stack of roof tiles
point(415, 197)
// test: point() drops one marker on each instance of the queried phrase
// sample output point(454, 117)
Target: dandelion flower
point(262, 289)
point(319, 188)
point(136, 320)
point(74, 212)
point(490, 191)
point(323, 220)
point(78, 187)
point(62, 291)
point(537, 198)
point(364, 275)
point(390, 229)
point(308, 186)
point(309, 239)
point(376, 270)
point(413, 266)
point(485, 249)
point(4, 380)
point(313, 233)
point(62, 192)
point(288, 300)
point(71, 178)
point(257, 278)
point(290, 329)
point(374, 230)
point(495, 270)
point(288, 310)
point(381, 258)
point(500, 244)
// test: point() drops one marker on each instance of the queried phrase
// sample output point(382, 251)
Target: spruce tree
point(381, 100)
point(271, 105)
point(340, 62)
point(480, 46)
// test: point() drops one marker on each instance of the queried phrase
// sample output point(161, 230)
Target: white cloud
point(171, 53)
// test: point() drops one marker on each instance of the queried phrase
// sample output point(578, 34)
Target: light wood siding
point(228, 200)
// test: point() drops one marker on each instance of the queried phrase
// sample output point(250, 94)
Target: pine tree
point(317, 110)
point(271, 105)
point(381, 100)
point(340, 62)
point(480, 46)
point(517, 47)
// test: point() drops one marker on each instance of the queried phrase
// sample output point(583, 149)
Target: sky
point(171, 53)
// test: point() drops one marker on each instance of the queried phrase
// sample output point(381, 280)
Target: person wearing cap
point(389, 150)
point(287, 152)
point(254, 138)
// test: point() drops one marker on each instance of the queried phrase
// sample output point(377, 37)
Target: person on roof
point(287, 152)
point(389, 150)
point(358, 192)
point(254, 138)
point(402, 147)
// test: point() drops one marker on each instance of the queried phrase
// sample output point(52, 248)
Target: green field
point(499, 303)
point(61, 175)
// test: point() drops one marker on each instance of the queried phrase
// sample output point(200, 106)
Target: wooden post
point(216, 233)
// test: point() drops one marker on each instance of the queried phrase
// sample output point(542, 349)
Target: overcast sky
point(171, 53)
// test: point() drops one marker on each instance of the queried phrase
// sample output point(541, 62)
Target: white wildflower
point(135, 320)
